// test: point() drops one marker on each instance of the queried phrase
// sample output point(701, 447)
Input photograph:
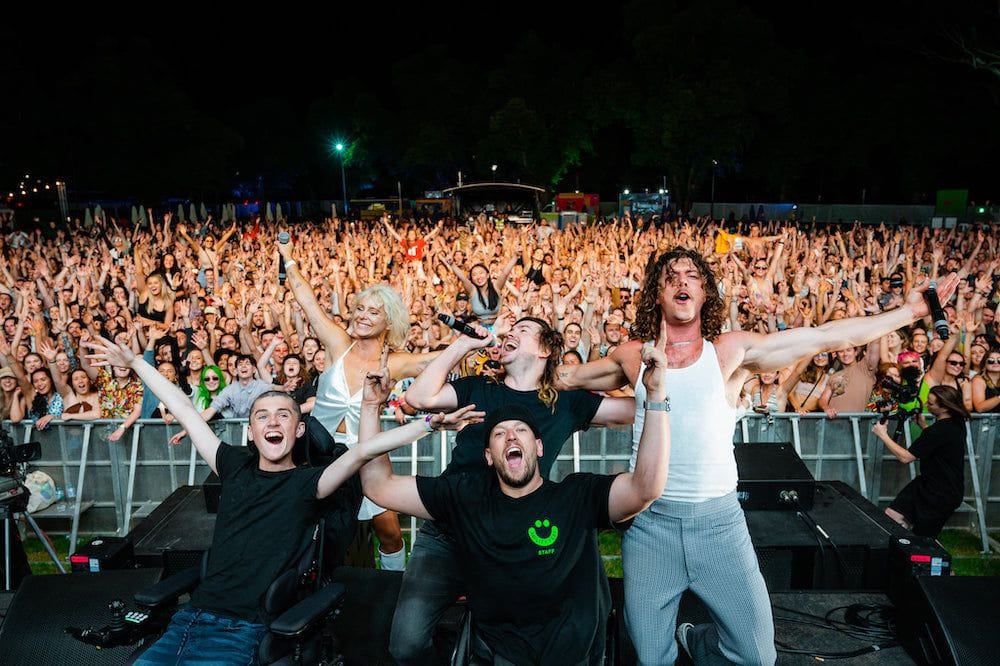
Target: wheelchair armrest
point(169, 589)
point(297, 619)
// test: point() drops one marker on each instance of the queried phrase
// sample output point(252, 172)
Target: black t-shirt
point(574, 410)
point(260, 532)
point(536, 584)
point(941, 451)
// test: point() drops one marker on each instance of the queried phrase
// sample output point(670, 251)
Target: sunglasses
point(958, 363)
point(212, 380)
point(761, 268)
point(993, 360)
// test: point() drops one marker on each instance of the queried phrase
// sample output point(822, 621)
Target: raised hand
point(47, 351)
point(654, 356)
point(107, 353)
point(458, 419)
point(378, 384)
point(915, 297)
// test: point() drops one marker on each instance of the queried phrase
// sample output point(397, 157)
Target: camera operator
point(926, 503)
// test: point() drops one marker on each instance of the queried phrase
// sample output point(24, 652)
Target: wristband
point(427, 422)
point(663, 406)
point(289, 264)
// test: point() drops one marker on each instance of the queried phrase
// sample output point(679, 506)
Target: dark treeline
point(793, 106)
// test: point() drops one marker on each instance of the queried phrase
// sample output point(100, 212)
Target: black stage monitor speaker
point(952, 620)
point(772, 476)
point(33, 631)
point(912, 556)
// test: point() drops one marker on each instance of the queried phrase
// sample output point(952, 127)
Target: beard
point(520, 481)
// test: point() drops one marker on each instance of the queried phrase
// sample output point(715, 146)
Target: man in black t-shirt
point(527, 547)
point(265, 510)
point(530, 355)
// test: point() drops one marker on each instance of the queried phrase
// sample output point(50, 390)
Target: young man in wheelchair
point(266, 507)
point(530, 563)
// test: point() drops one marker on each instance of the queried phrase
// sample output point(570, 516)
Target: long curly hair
point(647, 317)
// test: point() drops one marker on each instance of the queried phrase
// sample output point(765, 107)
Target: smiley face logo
point(543, 542)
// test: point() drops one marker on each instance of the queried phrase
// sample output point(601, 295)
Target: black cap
point(461, 296)
point(510, 413)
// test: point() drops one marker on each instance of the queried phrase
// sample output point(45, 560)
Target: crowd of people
point(560, 328)
point(208, 305)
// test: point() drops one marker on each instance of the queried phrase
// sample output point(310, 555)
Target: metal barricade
point(119, 482)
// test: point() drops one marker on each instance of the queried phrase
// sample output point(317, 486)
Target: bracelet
point(289, 264)
point(427, 422)
point(663, 406)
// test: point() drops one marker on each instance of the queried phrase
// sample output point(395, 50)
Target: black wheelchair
point(299, 606)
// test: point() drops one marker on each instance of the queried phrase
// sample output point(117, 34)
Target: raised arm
point(936, 372)
point(462, 276)
point(435, 231)
point(48, 352)
point(139, 272)
point(505, 272)
point(430, 390)
point(632, 493)
point(262, 369)
point(768, 353)
point(398, 492)
point(107, 353)
point(333, 337)
point(195, 245)
point(225, 237)
point(392, 232)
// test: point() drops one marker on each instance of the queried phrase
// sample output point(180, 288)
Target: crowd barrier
point(110, 486)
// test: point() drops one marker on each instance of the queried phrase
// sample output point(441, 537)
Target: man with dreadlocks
point(695, 536)
point(530, 355)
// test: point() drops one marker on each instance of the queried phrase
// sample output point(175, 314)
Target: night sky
point(795, 104)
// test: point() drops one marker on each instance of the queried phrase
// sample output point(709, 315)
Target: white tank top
point(702, 464)
point(335, 403)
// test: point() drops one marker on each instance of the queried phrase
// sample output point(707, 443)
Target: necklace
point(682, 342)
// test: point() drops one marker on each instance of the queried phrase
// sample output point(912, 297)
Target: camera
point(12, 455)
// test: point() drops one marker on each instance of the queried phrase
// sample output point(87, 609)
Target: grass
point(966, 559)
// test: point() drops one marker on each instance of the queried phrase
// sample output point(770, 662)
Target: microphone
point(283, 238)
point(460, 326)
point(937, 313)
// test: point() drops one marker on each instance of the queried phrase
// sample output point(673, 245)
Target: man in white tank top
point(695, 536)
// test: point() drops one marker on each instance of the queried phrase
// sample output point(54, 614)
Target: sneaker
point(682, 636)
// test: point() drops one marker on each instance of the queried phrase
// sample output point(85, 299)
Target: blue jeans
point(431, 583)
point(199, 637)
